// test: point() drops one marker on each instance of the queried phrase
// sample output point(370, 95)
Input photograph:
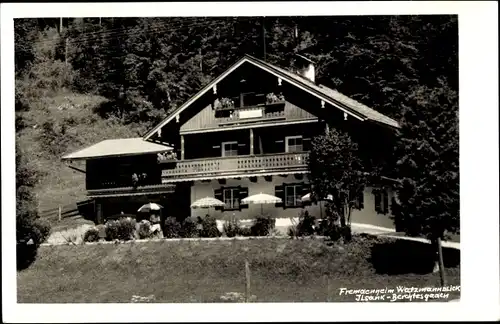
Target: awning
point(118, 147)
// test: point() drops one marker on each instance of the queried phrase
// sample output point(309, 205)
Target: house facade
point(249, 131)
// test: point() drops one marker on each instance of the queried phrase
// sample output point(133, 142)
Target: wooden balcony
point(130, 191)
point(239, 118)
point(237, 165)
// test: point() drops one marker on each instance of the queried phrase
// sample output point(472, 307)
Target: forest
point(83, 80)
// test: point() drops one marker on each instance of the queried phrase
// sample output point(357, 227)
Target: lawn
point(282, 270)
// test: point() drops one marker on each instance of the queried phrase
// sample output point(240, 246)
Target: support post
point(60, 213)
point(60, 25)
point(251, 142)
point(441, 263)
point(99, 213)
point(247, 280)
point(182, 147)
point(327, 128)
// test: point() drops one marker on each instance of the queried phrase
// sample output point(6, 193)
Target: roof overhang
point(270, 69)
point(116, 148)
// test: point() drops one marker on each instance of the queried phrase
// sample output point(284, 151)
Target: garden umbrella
point(207, 202)
point(261, 199)
point(149, 207)
point(308, 197)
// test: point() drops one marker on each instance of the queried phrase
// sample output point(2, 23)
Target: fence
point(64, 211)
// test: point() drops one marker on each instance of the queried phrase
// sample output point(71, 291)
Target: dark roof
point(336, 96)
point(339, 100)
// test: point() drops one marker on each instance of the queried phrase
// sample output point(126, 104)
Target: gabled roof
point(117, 147)
point(331, 96)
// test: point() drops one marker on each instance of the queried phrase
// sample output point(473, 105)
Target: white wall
point(203, 189)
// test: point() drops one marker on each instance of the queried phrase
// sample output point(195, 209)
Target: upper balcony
point(231, 113)
point(221, 167)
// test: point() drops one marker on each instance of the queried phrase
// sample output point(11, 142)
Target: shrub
point(245, 231)
point(126, 228)
point(232, 228)
point(262, 226)
point(172, 228)
point(91, 235)
point(188, 228)
point(292, 231)
point(328, 228)
point(111, 229)
point(122, 229)
point(144, 230)
point(210, 229)
point(305, 227)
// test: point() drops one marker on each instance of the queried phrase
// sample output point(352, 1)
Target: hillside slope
point(60, 124)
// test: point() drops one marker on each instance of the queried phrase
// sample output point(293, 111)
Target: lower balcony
point(249, 165)
point(131, 191)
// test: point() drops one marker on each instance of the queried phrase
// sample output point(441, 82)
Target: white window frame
point(235, 204)
point(223, 148)
point(296, 202)
point(287, 150)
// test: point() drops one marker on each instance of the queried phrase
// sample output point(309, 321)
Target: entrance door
point(179, 204)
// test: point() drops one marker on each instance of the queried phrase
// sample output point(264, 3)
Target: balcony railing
point(239, 116)
point(237, 165)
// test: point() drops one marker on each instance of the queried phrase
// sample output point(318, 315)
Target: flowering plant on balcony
point(273, 98)
point(167, 156)
point(224, 103)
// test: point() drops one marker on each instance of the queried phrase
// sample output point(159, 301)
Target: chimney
point(305, 67)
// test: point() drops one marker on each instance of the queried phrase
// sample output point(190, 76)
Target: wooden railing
point(237, 164)
point(236, 117)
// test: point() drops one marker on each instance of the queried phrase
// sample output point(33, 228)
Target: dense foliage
point(336, 173)
point(31, 231)
point(428, 197)
point(147, 66)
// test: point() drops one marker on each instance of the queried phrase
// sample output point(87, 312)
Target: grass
point(282, 270)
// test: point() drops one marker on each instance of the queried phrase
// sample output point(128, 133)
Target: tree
point(30, 230)
point(336, 170)
point(428, 169)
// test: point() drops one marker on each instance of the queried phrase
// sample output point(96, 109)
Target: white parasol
point(261, 199)
point(149, 207)
point(308, 198)
point(207, 202)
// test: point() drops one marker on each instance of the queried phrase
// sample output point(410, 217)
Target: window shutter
point(306, 143)
point(386, 201)
point(243, 193)
point(360, 200)
point(279, 191)
point(378, 200)
point(218, 195)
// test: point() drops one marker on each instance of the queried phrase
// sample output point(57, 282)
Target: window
point(359, 200)
point(229, 148)
point(381, 201)
point(231, 198)
point(293, 144)
point(293, 195)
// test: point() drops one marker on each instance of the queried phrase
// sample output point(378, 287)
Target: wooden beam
point(182, 147)
point(76, 169)
point(251, 141)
